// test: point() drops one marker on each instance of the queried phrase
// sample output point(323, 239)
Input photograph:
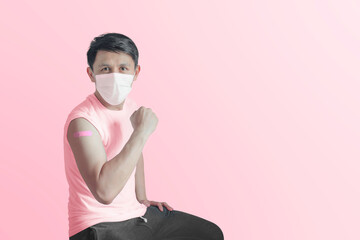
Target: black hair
point(112, 42)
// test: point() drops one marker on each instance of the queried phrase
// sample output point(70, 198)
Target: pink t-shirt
point(115, 129)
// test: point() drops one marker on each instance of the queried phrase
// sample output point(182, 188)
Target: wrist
point(141, 133)
point(142, 200)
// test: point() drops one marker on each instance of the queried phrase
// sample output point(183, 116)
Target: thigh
point(176, 225)
point(131, 229)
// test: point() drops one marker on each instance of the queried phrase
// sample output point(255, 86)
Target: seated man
point(103, 141)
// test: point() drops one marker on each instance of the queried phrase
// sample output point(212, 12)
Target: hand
point(145, 120)
point(159, 204)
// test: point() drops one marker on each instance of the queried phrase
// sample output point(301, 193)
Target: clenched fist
point(145, 120)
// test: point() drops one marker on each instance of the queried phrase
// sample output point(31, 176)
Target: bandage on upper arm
point(82, 134)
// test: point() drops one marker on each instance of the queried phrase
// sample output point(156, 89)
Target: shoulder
point(85, 109)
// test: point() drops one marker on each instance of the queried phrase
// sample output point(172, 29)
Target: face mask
point(114, 87)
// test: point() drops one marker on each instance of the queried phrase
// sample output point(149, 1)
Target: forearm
point(140, 180)
point(115, 173)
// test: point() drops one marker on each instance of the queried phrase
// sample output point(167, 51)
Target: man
point(103, 141)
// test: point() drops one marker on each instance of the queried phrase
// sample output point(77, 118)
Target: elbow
point(104, 198)
point(103, 194)
point(106, 194)
point(105, 201)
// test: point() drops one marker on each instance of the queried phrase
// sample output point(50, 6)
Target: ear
point(137, 71)
point(91, 74)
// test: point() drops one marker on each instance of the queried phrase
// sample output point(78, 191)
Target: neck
point(107, 105)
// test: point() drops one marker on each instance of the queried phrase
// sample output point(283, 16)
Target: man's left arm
point(140, 180)
point(140, 187)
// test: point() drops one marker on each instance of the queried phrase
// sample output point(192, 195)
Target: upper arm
point(89, 154)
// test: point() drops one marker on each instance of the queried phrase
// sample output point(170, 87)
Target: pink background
point(258, 107)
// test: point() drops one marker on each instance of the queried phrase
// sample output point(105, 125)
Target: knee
point(217, 233)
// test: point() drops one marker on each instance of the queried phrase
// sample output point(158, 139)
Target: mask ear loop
point(133, 77)
point(93, 75)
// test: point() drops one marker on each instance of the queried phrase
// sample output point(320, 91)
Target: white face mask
point(114, 87)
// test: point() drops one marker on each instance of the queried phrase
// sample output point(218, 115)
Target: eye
point(123, 68)
point(104, 68)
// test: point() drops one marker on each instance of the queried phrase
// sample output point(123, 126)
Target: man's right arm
point(105, 179)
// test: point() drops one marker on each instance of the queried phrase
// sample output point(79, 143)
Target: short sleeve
point(88, 118)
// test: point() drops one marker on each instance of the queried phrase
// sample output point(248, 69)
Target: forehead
point(112, 58)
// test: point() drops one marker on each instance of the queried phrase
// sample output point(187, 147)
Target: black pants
point(154, 225)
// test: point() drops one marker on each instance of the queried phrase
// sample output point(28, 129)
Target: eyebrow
point(108, 65)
